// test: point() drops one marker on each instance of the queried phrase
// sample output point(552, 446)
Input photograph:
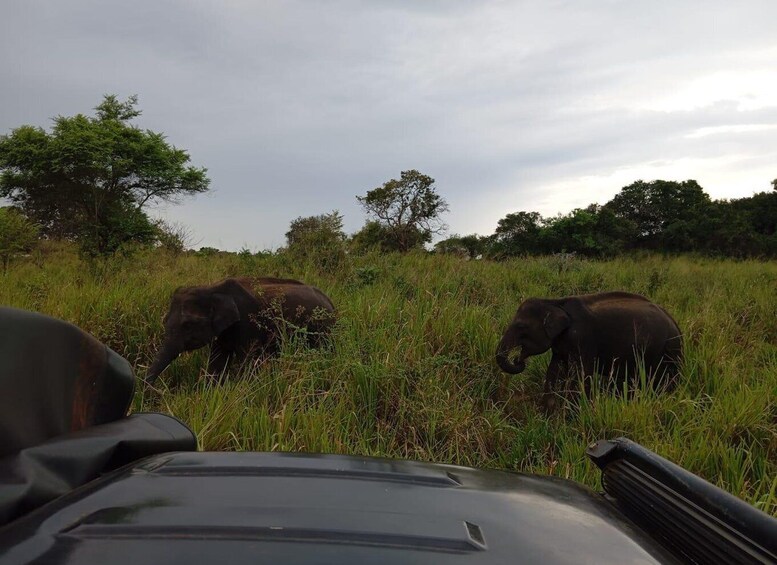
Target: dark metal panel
point(54, 379)
point(691, 517)
point(245, 507)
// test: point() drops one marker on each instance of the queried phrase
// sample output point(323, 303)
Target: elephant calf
point(238, 316)
point(608, 333)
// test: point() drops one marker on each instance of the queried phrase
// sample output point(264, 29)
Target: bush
point(319, 240)
point(17, 235)
point(173, 237)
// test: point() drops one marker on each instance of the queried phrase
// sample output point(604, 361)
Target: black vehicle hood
point(296, 508)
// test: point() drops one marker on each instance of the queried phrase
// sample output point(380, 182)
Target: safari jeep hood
point(294, 508)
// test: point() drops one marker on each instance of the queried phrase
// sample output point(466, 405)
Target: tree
point(17, 235)
point(319, 239)
point(592, 231)
point(90, 177)
point(651, 207)
point(323, 229)
point(470, 246)
point(407, 209)
point(372, 236)
point(518, 233)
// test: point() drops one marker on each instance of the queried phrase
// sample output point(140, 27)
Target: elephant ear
point(555, 322)
point(224, 312)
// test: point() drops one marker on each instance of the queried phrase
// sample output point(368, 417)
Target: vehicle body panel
point(299, 508)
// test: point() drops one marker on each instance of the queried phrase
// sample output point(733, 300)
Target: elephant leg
point(570, 374)
point(218, 361)
point(557, 371)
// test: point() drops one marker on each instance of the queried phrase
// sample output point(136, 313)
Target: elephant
point(607, 332)
point(241, 316)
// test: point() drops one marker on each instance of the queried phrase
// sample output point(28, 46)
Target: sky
point(295, 108)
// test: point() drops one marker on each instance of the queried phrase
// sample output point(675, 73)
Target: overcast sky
point(297, 107)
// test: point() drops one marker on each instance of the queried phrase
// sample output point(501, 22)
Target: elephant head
point(535, 327)
point(196, 316)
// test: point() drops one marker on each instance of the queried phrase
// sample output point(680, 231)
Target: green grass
point(411, 371)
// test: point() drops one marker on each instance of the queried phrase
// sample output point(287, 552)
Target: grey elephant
point(241, 316)
point(608, 333)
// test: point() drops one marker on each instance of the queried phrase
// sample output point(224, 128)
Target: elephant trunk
point(170, 350)
point(503, 358)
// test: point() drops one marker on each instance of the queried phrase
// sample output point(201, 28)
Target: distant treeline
point(662, 216)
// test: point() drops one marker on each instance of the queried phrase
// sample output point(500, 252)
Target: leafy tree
point(651, 207)
point(208, 251)
point(320, 239)
point(573, 233)
point(774, 184)
point(17, 235)
point(749, 226)
point(593, 232)
point(519, 233)
point(372, 236)
point(408, 210)
point(90, 177)
point(323, 229)
point(123, 227)
point(659, 215)
point(474, 244)
point(450, 246)
point(471, 246)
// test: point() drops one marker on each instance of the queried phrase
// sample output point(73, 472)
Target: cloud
point(297, 107)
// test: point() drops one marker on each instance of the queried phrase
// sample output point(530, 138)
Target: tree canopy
point(659, 215)
point(407, 209)
point(319, 239)
point(90, 178)
point(471, 246)
point(313, 231)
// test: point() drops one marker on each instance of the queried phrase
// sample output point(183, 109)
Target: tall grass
point(411, 373)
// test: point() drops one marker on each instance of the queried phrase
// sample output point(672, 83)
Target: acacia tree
point(408, 210)
point(90, 178)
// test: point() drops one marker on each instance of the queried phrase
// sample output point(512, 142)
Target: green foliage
point(470, 246)
point(593, 232)
point(318, 239)
point(17, 235)
point(660, 215)
point(371, 237)
point(408, 210)
point(80, 180)
point(122, 228)
point(208, 251)
point(519, 233)
point(375, 236)
point(665, 214)
point(367, 275)
point(411, 370)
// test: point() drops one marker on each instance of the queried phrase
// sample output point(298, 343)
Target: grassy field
point(411, 372)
